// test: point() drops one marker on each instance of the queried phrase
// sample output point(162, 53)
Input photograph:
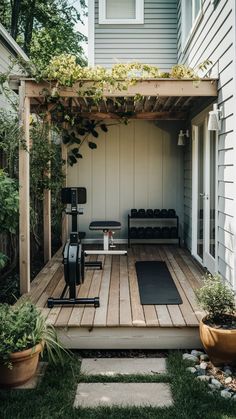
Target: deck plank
point(186, 286)
point(100, 318)
point(185, 308)
point(125, 304)
point(89, 311)
point(50, 287)
point(113, 311)
point(77, 312)
point(138, 318)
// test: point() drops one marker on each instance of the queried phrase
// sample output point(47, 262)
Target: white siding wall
point(213, 39)
point(153, 42)
point(5, 62)
point(134, 166)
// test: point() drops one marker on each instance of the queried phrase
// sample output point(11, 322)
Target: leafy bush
point(9, 198)
point(216, 298)
point(22, 328)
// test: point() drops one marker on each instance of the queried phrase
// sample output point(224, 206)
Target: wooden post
point(47, 236)
point(24, 193)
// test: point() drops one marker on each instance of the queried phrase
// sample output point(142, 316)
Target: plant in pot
point(218, 327)
point(24, 335)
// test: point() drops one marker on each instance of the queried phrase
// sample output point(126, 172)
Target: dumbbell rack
point(157, 221)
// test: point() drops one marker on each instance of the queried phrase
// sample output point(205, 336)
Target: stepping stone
point(123, 394)
point(113, 366)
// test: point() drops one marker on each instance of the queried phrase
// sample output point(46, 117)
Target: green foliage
point(22, 328)
point(216, 297)
point(44, 29)
point(10, 137)
point(3, 260)
point(9, 198)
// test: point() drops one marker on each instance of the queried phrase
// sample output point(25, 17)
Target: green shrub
point(216, 297)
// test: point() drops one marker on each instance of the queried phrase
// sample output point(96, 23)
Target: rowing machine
point(73, 254)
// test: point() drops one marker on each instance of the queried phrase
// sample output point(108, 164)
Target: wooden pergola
point(162, 99)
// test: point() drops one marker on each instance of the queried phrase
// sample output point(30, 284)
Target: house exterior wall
point(153, 42)
point(134, 166)
point(214, 39)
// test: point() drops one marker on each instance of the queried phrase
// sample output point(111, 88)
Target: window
point(121, 12)
point(191, 11)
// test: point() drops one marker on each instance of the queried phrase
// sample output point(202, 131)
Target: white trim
point(186, 38)
point(139, 19)
point(202, 119)
point(91, 25)
point(234, 99)
point(12, 43)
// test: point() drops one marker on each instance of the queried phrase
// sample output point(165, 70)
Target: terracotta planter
point(219, 344)
point(24, 367)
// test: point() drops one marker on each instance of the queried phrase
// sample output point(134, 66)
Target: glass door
point(204, 194)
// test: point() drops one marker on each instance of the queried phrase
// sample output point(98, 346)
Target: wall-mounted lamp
point(214, 121)
point(181, 137)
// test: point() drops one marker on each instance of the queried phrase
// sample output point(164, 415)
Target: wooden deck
point(121, 321)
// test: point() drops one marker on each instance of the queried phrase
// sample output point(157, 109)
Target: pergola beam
point(158, 87)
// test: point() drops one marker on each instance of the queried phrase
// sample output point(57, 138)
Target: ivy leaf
point(104, 127)
point(94, 133)
point(81, 131)
point(72, 160)
point(77, 141)
point(75, 150)
point(92, 145)
point(66, 139)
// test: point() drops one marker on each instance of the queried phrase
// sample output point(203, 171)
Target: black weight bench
point(108, 228)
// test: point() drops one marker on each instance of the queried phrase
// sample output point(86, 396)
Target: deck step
point(123, 366)
point(123, 394)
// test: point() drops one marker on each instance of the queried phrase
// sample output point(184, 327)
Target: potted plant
point(24, 335)
point(218, 327)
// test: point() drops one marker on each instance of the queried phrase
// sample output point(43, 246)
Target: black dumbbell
point(171, 213)
point(141, 213)
point(133, 233)
point(149, 213)
point(164, 213)
point(173, 232)
point(156, 213)
point(165, 231)
point(157, 232)
point(134, 213)
point(140, 233)
point(149, 233)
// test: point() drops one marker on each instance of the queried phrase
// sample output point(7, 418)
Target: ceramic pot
point(24, 365)
point(219, 344)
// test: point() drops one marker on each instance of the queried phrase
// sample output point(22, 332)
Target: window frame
point(186, 37)
point(139, 19)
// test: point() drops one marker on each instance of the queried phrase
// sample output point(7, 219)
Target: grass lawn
point(54, 397)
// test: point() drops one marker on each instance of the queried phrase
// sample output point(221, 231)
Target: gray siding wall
point(214, 40)
point(153, 42)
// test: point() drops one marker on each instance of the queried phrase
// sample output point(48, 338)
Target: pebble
point(197, 353)
point(216, 383)
point(190, 357)
point(234, 398)
point(204, 378)
point(203, 367)
point(212, 387)
point(197, 367)
point(228, 380)
point(191, 369)
point(204, 357)
point(226, 394)
point(228, 371)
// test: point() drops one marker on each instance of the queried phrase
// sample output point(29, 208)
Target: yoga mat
point(156, 285)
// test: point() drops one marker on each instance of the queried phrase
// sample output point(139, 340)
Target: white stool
point(108, 228)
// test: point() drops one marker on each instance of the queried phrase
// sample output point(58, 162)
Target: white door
point(204, 194)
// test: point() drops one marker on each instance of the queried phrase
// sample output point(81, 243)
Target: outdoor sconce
point(214, 121)
point(181, 137)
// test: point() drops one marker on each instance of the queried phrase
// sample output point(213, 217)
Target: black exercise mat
point(156, 285)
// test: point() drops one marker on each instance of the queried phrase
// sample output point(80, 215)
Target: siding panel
point(213, 39)
point(154, 42)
